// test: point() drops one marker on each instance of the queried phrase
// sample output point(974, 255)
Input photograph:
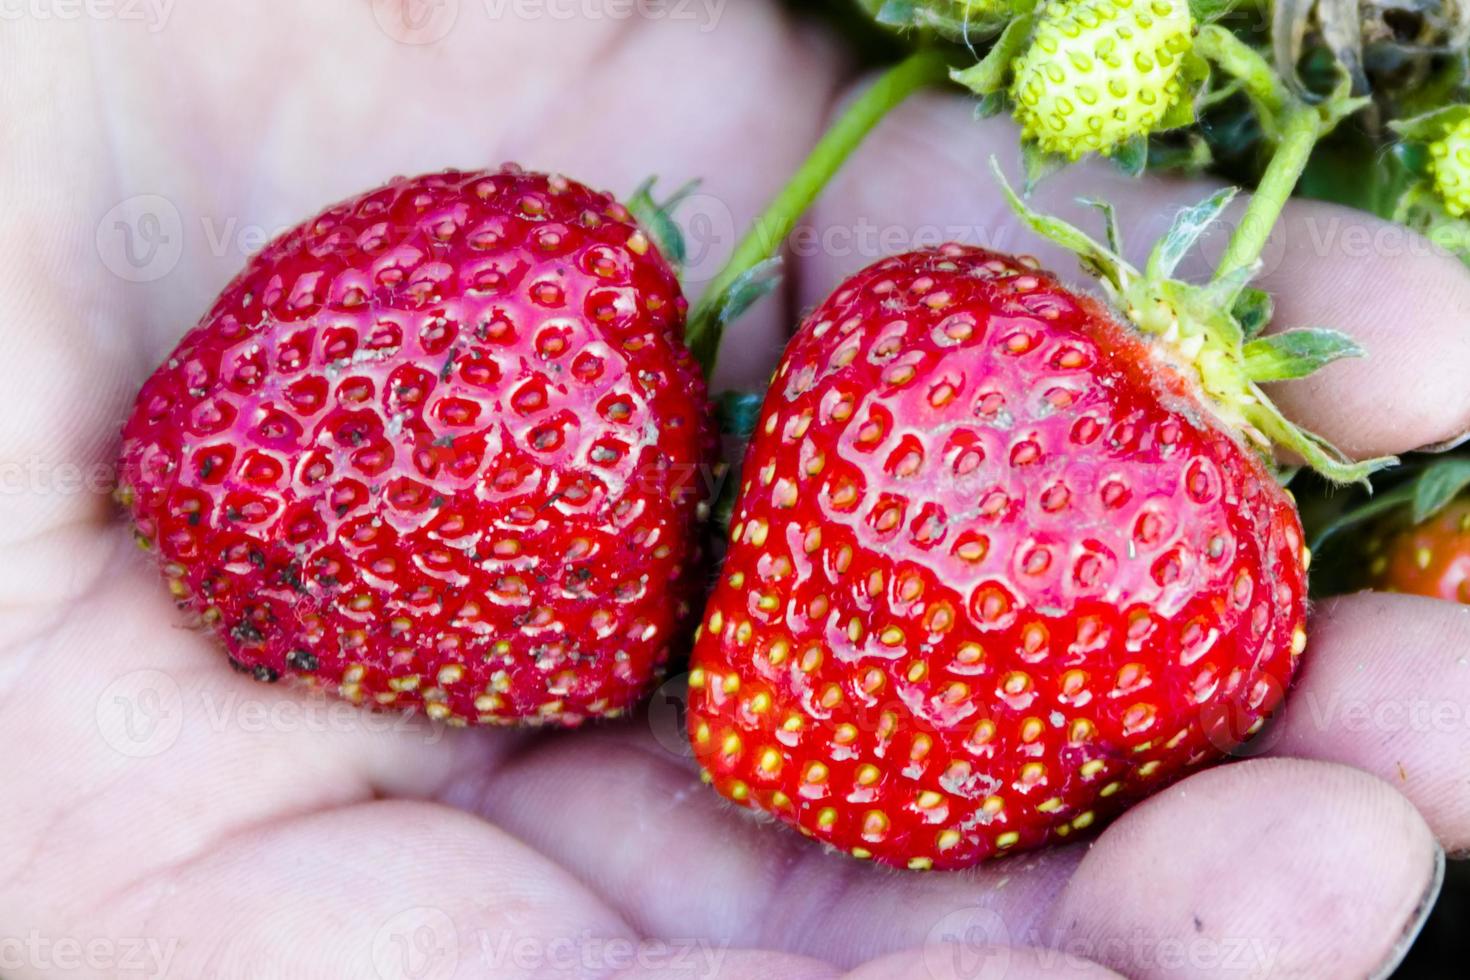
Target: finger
point(1270, 867)
point(1404, 303)
point(675, 859)
point(968, 961)
point(118, 714)
point(388, 889)
point(1384, 687)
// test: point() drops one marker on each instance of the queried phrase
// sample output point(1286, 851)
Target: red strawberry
point(994, 570)
point(1429, 559)
point(440, 445)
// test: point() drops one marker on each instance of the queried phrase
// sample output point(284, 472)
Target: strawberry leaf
point(1296, 353)
point(1376, 506)
point(1440, 483)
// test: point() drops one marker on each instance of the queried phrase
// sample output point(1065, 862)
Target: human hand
point(154, 796)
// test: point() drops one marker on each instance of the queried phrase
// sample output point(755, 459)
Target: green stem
point(771, 229)
point(1302, 126)
point(1245, 64)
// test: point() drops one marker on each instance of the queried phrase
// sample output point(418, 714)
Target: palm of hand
point(243, 829)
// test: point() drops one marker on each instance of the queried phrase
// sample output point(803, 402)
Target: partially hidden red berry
point(440, 446)
point(994, 571)
point(1429, 559)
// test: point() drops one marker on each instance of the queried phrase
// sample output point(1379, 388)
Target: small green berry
point(1100, 72)
point(1449, 162)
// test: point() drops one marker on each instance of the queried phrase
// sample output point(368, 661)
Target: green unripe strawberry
point(1100, 72)
point(1449, 162)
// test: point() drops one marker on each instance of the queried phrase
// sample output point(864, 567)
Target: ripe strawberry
point(1429, 559)
point(1449, 164)
point(995, 569)
point(438, 446)
point(1099, 73)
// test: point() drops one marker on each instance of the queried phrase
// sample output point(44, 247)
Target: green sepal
point(1419, 207)
point(1432, 125)
point(1098, 259)
point(1192, 156)
point(1131, 158)
point(1111, 228)
point(737, 412)
point(1038, 164)
point(753, 285)
point(932, 15)
point(1189, 224)
point(1196, 327)
point(1296, 354)
point(989, 106)
point(992, 73)
point(1253, 309)
point(1209, 11)
point(657, 219)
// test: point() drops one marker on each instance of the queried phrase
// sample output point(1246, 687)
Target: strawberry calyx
point(1211, 333)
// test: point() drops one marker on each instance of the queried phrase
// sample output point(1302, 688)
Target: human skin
point(246, 830)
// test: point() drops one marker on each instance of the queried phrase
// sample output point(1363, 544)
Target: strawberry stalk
point(752, 270)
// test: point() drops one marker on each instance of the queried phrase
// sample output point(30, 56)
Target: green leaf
point(1432, 125)
point(1253, 309)
point(1440, 483)
point(1189, 224)
point(1296, 353)
point(993, 71)
point(756, 283)
point(1376, 506)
